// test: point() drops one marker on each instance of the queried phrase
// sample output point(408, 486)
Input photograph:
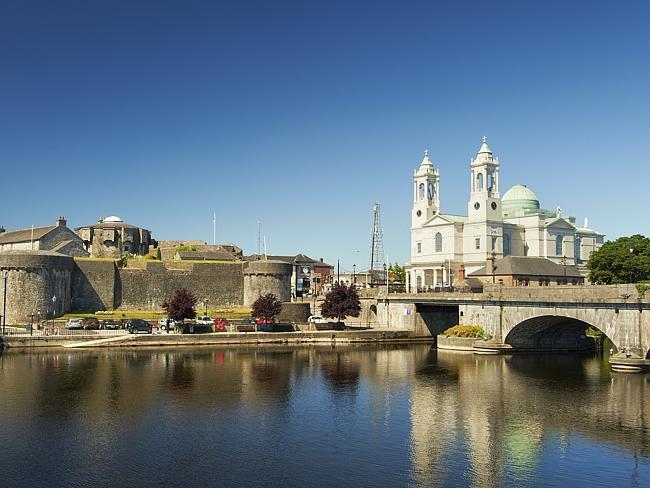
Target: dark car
point(196, 328)
point(90, 323)
point(111, 324)
point(138, 325)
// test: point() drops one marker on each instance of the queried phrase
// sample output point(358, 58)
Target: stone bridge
point(543, 318)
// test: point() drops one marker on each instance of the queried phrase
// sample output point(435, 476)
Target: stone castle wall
point(34, 277)
point(222, 284)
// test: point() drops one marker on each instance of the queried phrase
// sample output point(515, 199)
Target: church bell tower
point(484, 202)
point(426, 192)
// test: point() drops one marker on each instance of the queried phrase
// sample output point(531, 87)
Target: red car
point(221, 324)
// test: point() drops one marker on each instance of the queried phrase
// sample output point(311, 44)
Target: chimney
point(461, 273)
point(60, 222)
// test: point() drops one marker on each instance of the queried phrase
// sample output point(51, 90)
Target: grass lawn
point(228, 313)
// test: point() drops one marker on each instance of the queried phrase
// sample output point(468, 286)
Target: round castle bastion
point(33, 278)
point(263, 277)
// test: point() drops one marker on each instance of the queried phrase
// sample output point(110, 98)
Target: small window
point(421, 191)
point(438, 242)
point(479, 182)
point(506, 244)
point(419, 247)
point(559, 245)
point(477, 243)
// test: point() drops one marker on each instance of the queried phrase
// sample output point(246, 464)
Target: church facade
point(446, 247)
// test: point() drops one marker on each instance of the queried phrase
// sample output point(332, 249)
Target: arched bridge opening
point(437, 318)
point(554, 333)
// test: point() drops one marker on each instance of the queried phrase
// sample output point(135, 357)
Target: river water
point(319, 416)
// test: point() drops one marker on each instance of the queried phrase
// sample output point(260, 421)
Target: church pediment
point(559, 223)
point(442, 219)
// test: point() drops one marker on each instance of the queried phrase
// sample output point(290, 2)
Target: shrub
point(469, 331)
point(266, 307)
point(341, 302)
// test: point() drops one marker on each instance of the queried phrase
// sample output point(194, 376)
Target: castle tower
point(426, 192)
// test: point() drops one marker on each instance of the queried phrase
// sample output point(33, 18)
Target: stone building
point(111, 237)
point(528, 271)
point(495, 227)
point(56, 238)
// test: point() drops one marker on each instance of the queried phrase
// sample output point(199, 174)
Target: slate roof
point(214, 255)
point(25, 235)
point(297, 260)
point(528, 266)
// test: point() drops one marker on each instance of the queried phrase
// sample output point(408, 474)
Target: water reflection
point(369, 416)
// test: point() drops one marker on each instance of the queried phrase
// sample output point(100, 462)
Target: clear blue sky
point(302, 115)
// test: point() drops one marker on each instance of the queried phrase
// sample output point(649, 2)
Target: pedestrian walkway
point(99, 342)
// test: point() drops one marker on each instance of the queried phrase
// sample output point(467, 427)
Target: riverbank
point(219, 338)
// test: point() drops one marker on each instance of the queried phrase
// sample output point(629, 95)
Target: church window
point(479, 182)
point(438, 242)
point(430, 190)
point(559, 245)
point(490, 182)
point(421, 191)
point(419, 246)
point(477, 243)
point(506, 244)
point(576, 253)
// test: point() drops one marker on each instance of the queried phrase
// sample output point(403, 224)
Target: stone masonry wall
point(93, 285)
point(147, 289)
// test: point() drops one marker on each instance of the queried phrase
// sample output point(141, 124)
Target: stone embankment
point(219, 338)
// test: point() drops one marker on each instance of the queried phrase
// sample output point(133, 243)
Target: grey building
point(56, 238)
point(111, 237)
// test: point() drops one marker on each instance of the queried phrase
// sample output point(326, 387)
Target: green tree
point(181, 306)
point(266, 307)
point(625, 260)
point(341, 302)
point(397, 273)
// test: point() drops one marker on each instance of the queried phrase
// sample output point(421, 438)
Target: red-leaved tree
point(181, 305)
point(266, 307)
point(341, 302)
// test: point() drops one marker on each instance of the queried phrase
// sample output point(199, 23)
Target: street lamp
point(31, 324)
point(53, 308)
point(631, 268)
point(354, 275)
point(338, 271)
point(4, 302)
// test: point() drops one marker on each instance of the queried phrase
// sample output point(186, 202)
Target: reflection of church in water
point(495, 227)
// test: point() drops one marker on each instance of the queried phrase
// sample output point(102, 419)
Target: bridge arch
point(551, 332)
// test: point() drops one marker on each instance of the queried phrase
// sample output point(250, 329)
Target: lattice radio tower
point(377, 260)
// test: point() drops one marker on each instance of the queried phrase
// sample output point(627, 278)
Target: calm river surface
point(318, 416)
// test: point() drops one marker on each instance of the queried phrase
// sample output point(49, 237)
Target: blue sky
point(302, 115)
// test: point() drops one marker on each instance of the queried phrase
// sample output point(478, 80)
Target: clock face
point(494, 205)
point(477, 205)
point(305, 270)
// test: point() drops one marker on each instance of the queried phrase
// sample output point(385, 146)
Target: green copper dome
point(519, 201)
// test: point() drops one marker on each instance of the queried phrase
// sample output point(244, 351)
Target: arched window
point(576, 251)
point(479, 182)
point(559, 245)
point(421, 191)
point(430, 191)
point(506, 244)
point(490, 182)
point(438, 242)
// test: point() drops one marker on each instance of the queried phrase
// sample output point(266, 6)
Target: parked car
point(73, 324)
point(165, 323)
point(197, 328)
point(138, 325)
point(248, 321)
point(221, 324)
point(316, 319)
point(90, 323)
point(111, 324)
point(204, 320)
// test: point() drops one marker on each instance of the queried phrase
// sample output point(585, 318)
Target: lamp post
point(4, 302)
point(338, 271)
point(31, 324)
point(53, 309)
point(354, 275)
point(205, 304)
point(631, 269)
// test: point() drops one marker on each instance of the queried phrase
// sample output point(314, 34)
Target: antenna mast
point(377, 260)
point(259, 238)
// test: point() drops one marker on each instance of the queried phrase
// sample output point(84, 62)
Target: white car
point(316, 319)
point(205, 320)
point(163, 323)
point(74, 324)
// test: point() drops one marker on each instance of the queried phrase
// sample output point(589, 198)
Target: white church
point(445, 246)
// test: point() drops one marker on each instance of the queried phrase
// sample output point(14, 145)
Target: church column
point(435, 276)
point(444, 275)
